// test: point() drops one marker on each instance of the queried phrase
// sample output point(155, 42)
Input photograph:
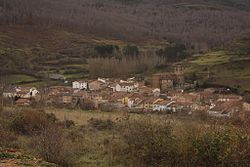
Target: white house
point(125, 87)
point(156, 92)
point(10, 93)
point(79, 85)
point(26, 92)
point(134, 102)
point(163, 105)
point(103, 80)
point(225, 109)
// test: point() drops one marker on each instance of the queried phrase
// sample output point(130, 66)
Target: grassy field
point(18, 78)
point(81, 117)
point(227, 66)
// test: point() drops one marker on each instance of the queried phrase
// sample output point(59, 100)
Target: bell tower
point(179, 72)
point(179, 69)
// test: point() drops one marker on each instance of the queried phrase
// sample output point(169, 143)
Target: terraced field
point(228, 66)
point(29, 54)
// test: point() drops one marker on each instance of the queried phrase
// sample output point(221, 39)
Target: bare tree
point(202, 26)
point(3, 85)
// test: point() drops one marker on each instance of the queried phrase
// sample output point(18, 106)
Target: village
point(166, 94)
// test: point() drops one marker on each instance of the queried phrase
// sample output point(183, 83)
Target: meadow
point(93, 138)
point(227, 65)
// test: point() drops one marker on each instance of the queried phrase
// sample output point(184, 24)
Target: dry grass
point(122, 139)
point(81, 117)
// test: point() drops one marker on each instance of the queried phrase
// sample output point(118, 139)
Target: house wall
point(118, 88)
point(127, 88)
point(246, 107)
point(80, 85)
point(67, 99)
point(167, 84)
point(130, 103)
point(156, 81)
point(94, 86)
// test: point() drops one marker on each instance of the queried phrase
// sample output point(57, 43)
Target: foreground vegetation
point(122, 139)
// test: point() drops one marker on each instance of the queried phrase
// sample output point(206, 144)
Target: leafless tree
point(3, 85)
point(202, 25)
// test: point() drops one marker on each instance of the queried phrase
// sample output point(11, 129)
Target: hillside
point(30, 53)
point(199, 23)
point(39, 38)
point(225, 66)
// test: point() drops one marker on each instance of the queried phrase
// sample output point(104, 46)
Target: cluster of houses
point(131, 95)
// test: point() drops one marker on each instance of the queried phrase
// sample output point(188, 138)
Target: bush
point(148, 144)
point(67, 124)
point(100, 124)
point(218, 147)
point(30, 122)
point(7, 138)
point(87, 105)
point(106, 50)
point(52, 146)
point(107, 107)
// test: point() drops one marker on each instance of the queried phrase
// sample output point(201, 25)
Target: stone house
point(81, 84)
point(67, 98)
point(225, 109)
point(229, 98)
point(26, 92)
point(134, 100)
point(97, 85)
point(125, 87)
point(149, 102)
point(163, 105)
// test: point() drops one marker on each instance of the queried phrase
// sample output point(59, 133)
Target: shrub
point(30, 122)
point(107, 107)
point(67, 123)
point(100, 124)
point(7, 138)
point(87, 105)
point(148, 144)
point(52, 146)
point(218, 147)
point(106, 50)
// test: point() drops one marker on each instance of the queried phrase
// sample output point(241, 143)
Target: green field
point(229, 66)
point(18, 78)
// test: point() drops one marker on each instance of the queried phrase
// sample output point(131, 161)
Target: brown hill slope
point(197, 22)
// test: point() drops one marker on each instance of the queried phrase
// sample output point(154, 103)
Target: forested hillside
point(199, 23)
